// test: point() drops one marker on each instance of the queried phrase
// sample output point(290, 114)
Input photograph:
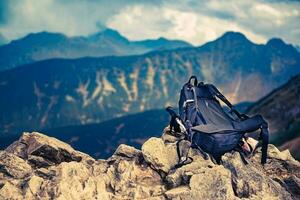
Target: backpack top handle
point(195, 80)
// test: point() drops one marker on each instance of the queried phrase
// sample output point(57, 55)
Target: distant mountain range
point(281, 108)
point(46, 45)
point(63, 92)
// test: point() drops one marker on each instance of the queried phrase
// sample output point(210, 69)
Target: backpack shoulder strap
point(186, 96)
point(195, 80)
point(218, 94)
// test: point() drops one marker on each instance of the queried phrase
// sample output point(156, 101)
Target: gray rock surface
point(40, 167)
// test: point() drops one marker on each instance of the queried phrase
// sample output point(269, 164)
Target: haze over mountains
point(45, 45)
point(62, 92)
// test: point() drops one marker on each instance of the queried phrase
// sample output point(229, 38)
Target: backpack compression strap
point(218, 94)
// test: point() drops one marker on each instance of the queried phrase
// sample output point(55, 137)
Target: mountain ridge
point(47, 45)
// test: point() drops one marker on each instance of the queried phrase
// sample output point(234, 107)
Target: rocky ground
point(40, 167)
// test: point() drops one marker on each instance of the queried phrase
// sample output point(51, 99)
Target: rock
point(273, 152)
point(281, 167)
point(160, 155)
point(249, 181)
point(293, 185)
point(38, 161)
point(32, 187)
point(74, 181)
point(168, 137)
point(44, 151)
point(29, 169)
point(134, 178)
point(213, 183)
point(10, 191)
point(127, 151)
point(45, 173)
point(156, 198)
point(182, 175)
point(13, 166)
point(182, 192)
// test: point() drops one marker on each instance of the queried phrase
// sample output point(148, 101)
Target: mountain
point(281, 108)
point(63, 92)
point(45, 45)
point(161, 44)
point(41, 167)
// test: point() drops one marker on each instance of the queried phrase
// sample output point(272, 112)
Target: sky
point(195, 21)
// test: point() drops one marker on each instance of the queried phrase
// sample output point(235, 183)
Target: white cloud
point(49, 15)
point(187, 25)
point(72, 17)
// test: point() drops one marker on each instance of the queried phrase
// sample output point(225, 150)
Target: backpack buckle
point(187, 101)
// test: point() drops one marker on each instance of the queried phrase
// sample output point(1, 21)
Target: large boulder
point(212, 184)
point(282, 168)
point(249, 181)
point(160, 155)
point(41, 150)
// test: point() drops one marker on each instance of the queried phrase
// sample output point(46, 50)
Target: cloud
point(4, 11)
point(173, 23)
point(72, 17)
point(196, 21)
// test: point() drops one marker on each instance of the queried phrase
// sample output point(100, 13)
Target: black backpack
point(209, 127)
